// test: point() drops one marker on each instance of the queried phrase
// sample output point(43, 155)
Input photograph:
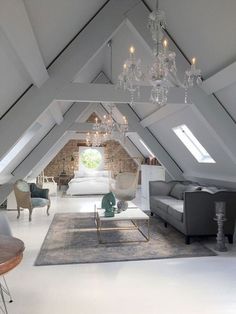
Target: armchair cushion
point(39, 202)
point(37, 192)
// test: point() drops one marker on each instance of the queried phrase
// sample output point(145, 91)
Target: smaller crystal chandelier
point(108, 125)
point(96, 139)
point(103, 130)
point(163, 72)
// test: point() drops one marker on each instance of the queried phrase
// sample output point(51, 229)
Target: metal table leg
point(4, 308)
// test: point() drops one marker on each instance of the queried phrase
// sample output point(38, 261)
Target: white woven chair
point(124, 188)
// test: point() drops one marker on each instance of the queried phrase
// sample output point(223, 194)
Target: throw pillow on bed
point(178, 191)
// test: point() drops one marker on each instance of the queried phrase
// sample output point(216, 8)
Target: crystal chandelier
point(163, 72)
point(96, 139)
point(103, 130)
point(108, 125)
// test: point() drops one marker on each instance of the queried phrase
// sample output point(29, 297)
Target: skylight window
point(192, 144)
point(24, 140)
point(147, 148)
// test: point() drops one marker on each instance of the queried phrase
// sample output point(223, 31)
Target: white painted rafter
point(49, 141)
point(15, 23)
point(157, 149)
point(218, 120)
point(71, 61)
point(103, 93)
point(220, 80)
point(77, 92)
point(56, 113)
point(162, 113)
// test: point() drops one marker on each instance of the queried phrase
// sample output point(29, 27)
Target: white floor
point(175, 286)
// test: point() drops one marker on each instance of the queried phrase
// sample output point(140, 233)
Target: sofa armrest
point(199, 211)
point(160, 187)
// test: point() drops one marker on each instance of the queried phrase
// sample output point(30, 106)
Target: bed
point(91, 182)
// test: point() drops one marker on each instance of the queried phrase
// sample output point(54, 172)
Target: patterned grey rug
point(66, 243)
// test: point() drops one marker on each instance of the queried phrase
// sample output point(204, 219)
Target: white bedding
point(88, 185)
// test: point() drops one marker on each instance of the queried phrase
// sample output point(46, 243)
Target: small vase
point(122, 205)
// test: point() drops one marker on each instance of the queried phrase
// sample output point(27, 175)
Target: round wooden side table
point(11, 253)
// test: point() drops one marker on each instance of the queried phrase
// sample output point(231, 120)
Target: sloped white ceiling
point(228, 98)
point(225, 166)
point(56, 22)
point(13, 79)
point(204, 29)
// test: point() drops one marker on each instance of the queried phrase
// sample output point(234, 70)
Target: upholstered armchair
point(30, 196)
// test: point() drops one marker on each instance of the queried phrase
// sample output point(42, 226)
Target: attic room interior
point(117, 156)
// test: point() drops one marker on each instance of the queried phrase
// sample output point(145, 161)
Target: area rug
point(72, 239)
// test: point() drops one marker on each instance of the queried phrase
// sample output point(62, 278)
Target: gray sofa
point(190, 208)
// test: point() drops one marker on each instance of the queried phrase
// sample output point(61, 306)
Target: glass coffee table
point(133, 214)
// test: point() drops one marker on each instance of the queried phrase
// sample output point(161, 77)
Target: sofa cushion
point(177, 210)
point(163, 202)
point(178, 191)
point(158, 202)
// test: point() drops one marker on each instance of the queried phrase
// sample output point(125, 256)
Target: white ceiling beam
point(56, 113)
point(220, 80)
point(48, 142)
point(87, 127)
point(81, 127)
point(5, 190)
point(157, 149)
point(15, 23)
point(49, 155)
point(162, 113)
point(76, 92)
point(87, 113)
point(207, 106)
point(216, 118)
point(71, 61)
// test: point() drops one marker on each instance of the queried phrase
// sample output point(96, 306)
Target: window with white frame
point(192, 144)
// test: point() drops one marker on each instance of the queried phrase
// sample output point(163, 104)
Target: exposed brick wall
point(116, 159)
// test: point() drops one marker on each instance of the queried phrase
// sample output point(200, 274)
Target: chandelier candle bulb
point(132, 50)
point(193, 63)
point(165, 44)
